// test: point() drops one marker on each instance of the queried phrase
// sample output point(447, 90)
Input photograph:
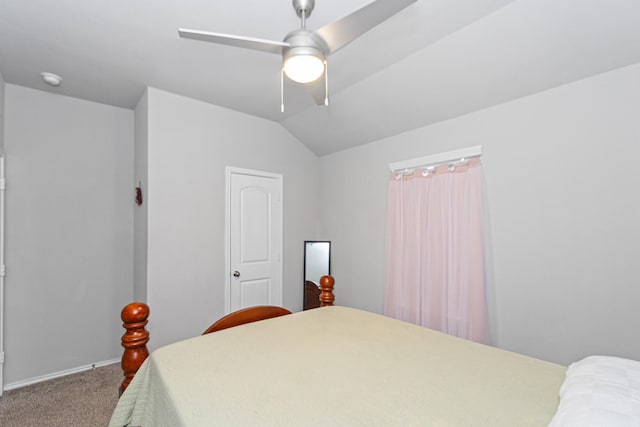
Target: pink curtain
point(435, 261)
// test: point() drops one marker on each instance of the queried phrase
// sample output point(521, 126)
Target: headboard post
point(134, 340)
point(326, 294)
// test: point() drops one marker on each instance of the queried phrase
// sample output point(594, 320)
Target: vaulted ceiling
point(435, 60)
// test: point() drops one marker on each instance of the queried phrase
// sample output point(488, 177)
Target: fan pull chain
point(326, 83)
point(282, 90)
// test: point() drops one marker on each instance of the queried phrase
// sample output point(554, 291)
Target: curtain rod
point(436, 159)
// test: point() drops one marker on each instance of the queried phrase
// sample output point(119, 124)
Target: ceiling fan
point(304, 52)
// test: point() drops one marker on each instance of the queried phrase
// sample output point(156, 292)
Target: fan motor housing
point(304, 42)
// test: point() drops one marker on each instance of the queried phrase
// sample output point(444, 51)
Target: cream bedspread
point(337, 366)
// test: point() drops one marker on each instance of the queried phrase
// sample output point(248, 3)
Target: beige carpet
point(85, 399)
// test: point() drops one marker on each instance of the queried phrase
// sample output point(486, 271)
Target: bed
point(338, 366)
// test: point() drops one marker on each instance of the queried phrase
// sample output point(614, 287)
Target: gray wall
point(140, 213)
point(189, 145)
point(564, 211)
point(69, 231)
point(1, 231)
point(1, 118)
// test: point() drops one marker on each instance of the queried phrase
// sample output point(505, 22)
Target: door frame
point(230, 170)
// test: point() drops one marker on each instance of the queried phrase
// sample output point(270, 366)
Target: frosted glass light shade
point(303, 68)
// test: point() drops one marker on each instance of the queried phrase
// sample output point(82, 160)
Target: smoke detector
point(51, 79)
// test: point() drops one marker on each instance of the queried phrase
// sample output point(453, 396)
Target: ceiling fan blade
point(318, 90)
point(345, 30)
point(263, 45)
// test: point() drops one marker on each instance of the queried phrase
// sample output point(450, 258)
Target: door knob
point(236, 273)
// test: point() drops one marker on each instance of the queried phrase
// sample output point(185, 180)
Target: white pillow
point(600, 391)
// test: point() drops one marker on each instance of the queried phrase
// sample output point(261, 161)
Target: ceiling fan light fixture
point(303, 51)
point(303, 64)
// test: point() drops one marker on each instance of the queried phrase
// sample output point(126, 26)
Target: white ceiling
point(435, 60)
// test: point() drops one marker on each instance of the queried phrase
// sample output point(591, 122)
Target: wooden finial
point(134, 340)
point(326, 294)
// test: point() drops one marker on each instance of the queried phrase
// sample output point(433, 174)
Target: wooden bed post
point(326, 294)
point(134, 340)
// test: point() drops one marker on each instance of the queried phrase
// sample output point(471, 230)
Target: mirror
point(317, 263)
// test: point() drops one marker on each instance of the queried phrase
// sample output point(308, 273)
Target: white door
point(254, 232)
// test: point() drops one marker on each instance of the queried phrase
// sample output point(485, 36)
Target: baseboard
point(66, 372)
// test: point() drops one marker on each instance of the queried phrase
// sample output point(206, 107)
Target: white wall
point(562, 181)
point(69, 231)
point(189, 144)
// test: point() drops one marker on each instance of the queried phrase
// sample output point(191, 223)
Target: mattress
point(338, 366)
